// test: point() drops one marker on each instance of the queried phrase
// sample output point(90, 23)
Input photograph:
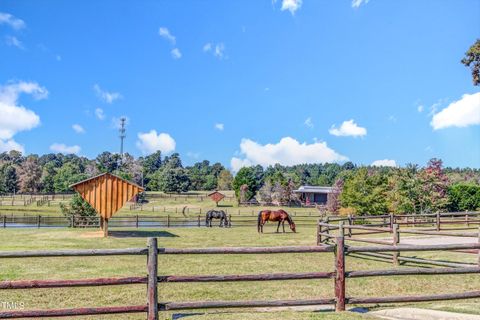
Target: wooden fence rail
point(325, 237)
point(152, 280)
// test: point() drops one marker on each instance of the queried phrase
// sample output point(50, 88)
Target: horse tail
point(259, 221)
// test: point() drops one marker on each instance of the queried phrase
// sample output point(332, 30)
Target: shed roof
point(313, 189)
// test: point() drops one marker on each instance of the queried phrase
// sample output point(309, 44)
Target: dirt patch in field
point(438, 240)
point(92, 234)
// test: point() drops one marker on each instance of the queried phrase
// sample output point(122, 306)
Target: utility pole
point(122, 136)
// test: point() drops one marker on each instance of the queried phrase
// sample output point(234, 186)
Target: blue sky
point(242, 82)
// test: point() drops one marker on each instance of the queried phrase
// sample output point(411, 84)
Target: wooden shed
point(107, 193)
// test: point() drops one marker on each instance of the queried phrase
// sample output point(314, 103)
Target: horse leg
point(283, 225)
point(278, 227)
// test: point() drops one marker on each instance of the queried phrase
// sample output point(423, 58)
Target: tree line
point(366, 189)
point(54, 173)
point(356, 189)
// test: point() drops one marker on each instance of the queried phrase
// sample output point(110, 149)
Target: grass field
point(87, 267)
point(158, 204)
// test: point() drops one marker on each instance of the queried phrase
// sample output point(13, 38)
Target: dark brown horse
point(281, 216)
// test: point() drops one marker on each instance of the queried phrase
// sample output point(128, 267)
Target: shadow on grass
point(141, 234)
point(274, 232)
point(184, 315)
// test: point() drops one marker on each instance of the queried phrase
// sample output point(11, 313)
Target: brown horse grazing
point(280, 216)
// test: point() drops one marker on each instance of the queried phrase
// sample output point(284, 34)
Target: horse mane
point(289, 219)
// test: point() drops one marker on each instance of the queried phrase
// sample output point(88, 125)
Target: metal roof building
point(310, 195)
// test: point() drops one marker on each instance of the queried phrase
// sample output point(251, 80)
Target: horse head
point(292, 226)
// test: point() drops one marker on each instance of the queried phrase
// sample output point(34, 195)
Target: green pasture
point(189, 204)
point(122, 266)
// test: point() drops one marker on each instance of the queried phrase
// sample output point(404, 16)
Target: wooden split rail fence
point(153, 279)
point(132, 221)
point(390, 228)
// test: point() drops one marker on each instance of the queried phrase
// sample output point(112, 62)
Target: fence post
point(392, 220)
point(229, 220)
point(319, 229)
point(341, 232)
point(396, 241)
point(467, 219)
point(38, 221)
point(168, 221)
point(198, 220)
point(479, 249)
point(327, 229)
point(152, 291)
point(4, 221)
point(350, 222)
point(340, 275)
point(438, 221)
point(136, 221)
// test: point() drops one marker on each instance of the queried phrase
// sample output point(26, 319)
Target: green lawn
point(86, 267)
point(173, 205)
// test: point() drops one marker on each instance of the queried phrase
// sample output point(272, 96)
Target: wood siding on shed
point(107, 193)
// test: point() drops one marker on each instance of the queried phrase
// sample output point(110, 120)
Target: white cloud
point(218, 50)
point(207, 47)
point(78, 128)
point(219, 126)
point(291, 5)
point(309, 123)
point(176, 54)
point(420, 108)
point(348, 128)
point(14, 117)
point(384, 163)
point(151, 142)
point(165, 33)
point(9, 145)
point(14, 42)
point(461, 113)
point(8, 19)
point(9, 93)
point(62, 148)
point(108, 97)
point(236, 164)
point(358, 3)
point(287, 151)
point(99, 113)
